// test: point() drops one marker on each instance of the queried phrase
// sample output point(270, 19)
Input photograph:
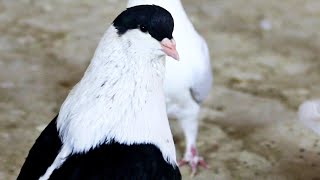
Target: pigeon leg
point(189, 126)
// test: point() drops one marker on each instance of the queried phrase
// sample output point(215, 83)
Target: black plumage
point(111, 161)
point(42, 153)
point(116, 161)
point(155, 20)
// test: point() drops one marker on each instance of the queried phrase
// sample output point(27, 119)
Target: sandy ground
point(266, 61)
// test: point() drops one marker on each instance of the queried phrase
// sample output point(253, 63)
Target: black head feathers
point(153, 19)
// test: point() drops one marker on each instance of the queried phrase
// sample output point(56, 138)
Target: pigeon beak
point(169, 47)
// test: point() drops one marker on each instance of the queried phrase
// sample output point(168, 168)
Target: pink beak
point(169, 47)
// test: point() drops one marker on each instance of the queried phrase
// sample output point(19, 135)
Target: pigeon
point(113, 124)
point(309, 114)
point(187, 82)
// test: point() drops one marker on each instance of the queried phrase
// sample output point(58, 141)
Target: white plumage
point(103, 93)
point(112, 102)
point(190, 79)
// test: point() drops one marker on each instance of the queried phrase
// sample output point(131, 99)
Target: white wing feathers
point(202, 76)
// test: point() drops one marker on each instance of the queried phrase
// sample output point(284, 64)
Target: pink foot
point(194, 160)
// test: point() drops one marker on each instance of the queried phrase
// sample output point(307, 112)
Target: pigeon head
point(148, 25)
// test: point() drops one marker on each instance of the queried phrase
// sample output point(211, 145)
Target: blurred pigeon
point(113, 124)
point(309, 114)
point(188, 82)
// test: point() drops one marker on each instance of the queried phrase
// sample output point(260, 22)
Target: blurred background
point(265, 58)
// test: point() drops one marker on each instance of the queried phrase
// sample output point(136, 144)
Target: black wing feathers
point(111, 161)
point(42, 153)
point(118, 162)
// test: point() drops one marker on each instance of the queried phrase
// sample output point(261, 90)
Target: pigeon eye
point(143, 28)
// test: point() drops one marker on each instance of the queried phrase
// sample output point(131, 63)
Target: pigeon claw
point(182, 162)
point(194, 161)
point(203, 164)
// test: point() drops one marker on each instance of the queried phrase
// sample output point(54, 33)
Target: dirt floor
point(265, 58)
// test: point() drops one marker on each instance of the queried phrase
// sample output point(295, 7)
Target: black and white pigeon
point(187, 82)
point(113, 124)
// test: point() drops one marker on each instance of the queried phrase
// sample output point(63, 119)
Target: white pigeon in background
point(190, 79)
point(309, 114)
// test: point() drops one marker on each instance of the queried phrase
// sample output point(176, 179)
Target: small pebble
point(265, 25)
point(7, 85)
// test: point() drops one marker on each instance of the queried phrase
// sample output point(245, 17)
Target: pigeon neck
point(119, 98)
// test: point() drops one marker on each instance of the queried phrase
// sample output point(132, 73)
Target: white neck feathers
point(119, 98)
